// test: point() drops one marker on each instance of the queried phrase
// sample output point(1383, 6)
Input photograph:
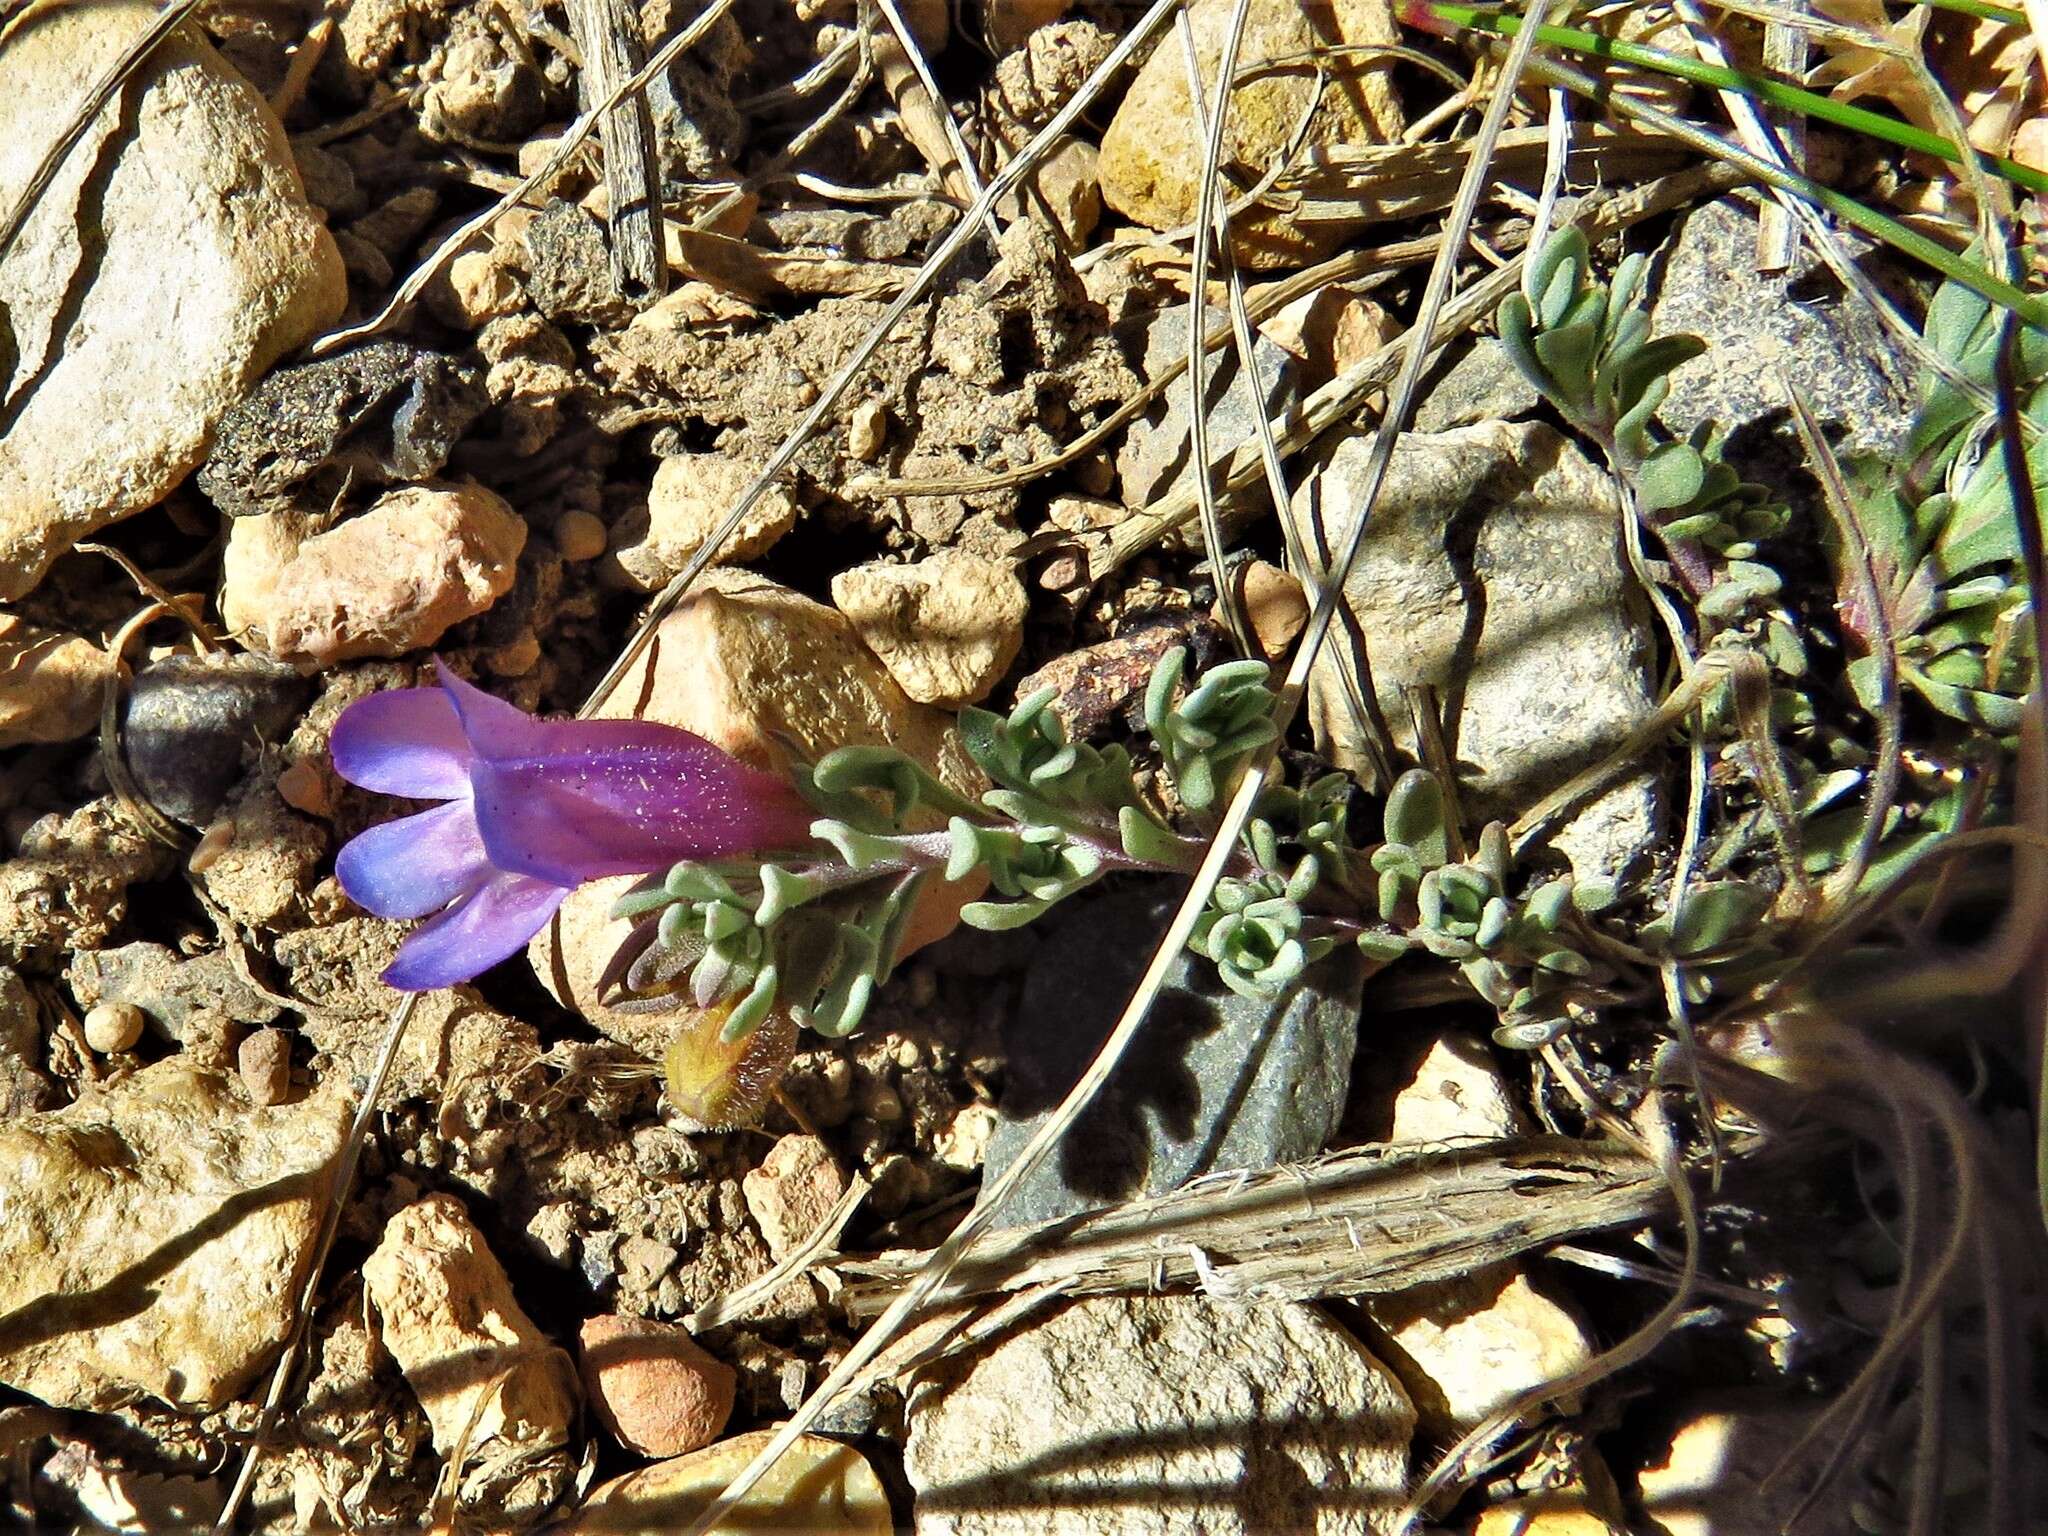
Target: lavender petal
point(493, 727)
point(490, 924)
point(406, 742)
point(629, 806)
point(415, 865)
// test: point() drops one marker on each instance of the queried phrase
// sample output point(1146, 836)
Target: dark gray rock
point(1214, 1081)
point(383, 414)
point(1763, 330)
point(191, 720)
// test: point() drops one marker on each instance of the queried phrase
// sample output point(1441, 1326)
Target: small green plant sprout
point(1516, 950)
point(1589, 350)
point(1943, 537)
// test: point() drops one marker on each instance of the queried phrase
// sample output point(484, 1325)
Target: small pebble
point(579, 536)
point(515, 658)
point(265, 1060)
point(653, 1387)
point(214, 842)
point(113, 1027)
point(867, 430)
point(793, 1191)
point(303, 787)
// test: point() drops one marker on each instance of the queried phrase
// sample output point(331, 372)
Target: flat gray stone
point(1493, 571)
point(1481, 384)
point(1214, 1081)
point(1155, 458)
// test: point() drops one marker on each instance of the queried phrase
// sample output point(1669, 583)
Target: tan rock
point(1273, 603)
point(947, 627)
point(156, 1236)
point(1261, 1416)
point(691, 493)
point(1546, 1515)
point(391, 580)
point(819, 1485)
point(51, 684)
point(1330, 330)
point(1068, 189)
point(656, 1391)
point(793, 1191)
point(1469, 1346)
point(170, 262)
point(750, 665)
point(1152, 157)
point(1456, 1094)
point(1710, 1480)
point(488, 1379)
point(580, 536)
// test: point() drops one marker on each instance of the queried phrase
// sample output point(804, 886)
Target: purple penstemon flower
point(532, 809)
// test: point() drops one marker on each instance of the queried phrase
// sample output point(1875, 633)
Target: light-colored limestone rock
point(757, 670)
point(1152, 158)
point(820, 1485)
point(391, 580)
point(1456, 1094)
point(153, 1237)
point(170, 262)
point(51, 684)
point(946, 627)
point(793, 1191)
point(691, 494)
point(1710, 1480)
point(1492, 570)
point(654, 1388)
point(1468, 1346)
point(1258, 1417)
point(488, 1379)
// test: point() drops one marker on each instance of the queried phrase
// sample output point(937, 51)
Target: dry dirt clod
point(172, 260)
point(947, 627)
point(112, 1027)
point(158, 1231)
point(793, 1191)
point(489, 1380)
point(51, 683)
point(654, 1388)
point(389, 581)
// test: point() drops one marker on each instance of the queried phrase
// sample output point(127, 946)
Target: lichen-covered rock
point(154, 1237)
point(946, 627)
point(489, 1380)
point(170, 262)
point(757, 670)
point(690, 496)
point(1152, 159)
point(1492, 570)
point(51, 684)
point(391, 580)
point(1262, 1416)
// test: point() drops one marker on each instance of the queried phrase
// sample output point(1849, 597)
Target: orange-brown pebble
point(303, 787)
point(579, 536)
point(653, 1388)
point(265, 1062)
